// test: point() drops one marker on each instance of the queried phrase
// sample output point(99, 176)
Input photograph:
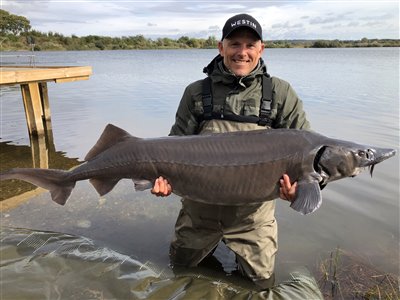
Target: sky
point(295, 19)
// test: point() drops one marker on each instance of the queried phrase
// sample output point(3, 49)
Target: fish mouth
point(380, 155)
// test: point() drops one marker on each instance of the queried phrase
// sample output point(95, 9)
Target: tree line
point(17, 34)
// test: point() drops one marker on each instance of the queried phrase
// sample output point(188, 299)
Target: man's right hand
point(287, 190)
point(161, 187)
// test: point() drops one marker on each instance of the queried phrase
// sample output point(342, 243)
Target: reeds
point(345, 276)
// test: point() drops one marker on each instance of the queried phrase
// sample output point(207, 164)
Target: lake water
point(351, 94)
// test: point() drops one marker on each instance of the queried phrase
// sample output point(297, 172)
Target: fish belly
point(224, 185)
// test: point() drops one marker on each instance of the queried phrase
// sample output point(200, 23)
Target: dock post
point(33, 82)
point(40, 152)
point(44, 96)
point(33, 108)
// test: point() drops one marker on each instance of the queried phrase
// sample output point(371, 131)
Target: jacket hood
point(217, 71)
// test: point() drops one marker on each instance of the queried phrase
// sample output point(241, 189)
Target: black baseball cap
point(239, 21)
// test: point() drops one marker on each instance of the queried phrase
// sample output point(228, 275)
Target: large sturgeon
point(228, 168)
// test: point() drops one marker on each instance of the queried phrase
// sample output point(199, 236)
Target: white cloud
point(280, 20)
point(331, 20)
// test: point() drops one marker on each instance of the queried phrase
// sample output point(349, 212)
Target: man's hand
point(161, 187)
point(287, 190)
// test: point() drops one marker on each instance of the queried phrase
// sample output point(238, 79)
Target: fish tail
point(56, 181)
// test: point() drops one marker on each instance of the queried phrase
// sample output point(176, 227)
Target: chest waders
point(250, 231)
point(264, 118)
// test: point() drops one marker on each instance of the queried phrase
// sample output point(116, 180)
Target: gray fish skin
point(235, 168)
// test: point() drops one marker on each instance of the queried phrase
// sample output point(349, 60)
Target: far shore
point(37, 41)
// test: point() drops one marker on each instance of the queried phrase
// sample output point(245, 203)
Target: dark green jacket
point(240, 96)
point(254, 237)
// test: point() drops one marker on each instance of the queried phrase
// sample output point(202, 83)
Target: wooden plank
point(33, 82)
point(13, 202)
point(37, 107)
point(40, 154)
point(11, 67)
point(33, 108)
point(26, 98)
point(44, 95)
point(24, 75)
point(61, 80)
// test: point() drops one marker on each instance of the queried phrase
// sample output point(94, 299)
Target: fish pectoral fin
point(141, 185)
point(308, 198)
point(103, 185)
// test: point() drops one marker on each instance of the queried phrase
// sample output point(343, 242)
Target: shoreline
point(58, 42)
point(157, 49)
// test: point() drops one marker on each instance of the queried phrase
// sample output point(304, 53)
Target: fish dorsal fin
point(110, 136)
point(308, 198)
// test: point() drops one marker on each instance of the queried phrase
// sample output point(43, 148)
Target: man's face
point(241, 51)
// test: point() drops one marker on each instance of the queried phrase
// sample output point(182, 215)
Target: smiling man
point(241, 47)
point(237, 95)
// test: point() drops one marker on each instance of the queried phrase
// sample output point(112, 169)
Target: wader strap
point(207, 98)
point(265, 107)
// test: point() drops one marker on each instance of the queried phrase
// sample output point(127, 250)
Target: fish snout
point(381, 154)
point(373, 156)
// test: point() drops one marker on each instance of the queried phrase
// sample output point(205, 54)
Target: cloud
point(319, 20)
point(163, 18)
point(287, 25)
point(353, 24)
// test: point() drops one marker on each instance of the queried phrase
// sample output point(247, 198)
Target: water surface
point(351, 94)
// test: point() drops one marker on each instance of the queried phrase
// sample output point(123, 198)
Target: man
point(235, 86)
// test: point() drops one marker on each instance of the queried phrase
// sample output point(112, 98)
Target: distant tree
point(211, 42)
point(100, 45)
point(183, 41)
point(14, 24)
point(36, 33)
point(165, 43)
point(193, 43)
point(138, 41)
point(319, 44)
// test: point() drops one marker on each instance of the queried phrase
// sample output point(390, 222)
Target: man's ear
point(220, 48)
point(262, 47)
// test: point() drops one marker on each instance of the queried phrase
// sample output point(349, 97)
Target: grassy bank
point(55, 41)
point(345, 275)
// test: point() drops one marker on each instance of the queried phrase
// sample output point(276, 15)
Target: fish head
point(334, 162)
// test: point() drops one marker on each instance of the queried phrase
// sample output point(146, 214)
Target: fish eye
point(362, 153)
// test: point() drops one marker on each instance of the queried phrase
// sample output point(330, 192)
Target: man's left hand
point(287, 190)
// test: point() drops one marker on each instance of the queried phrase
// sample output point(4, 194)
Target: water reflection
point(40, 154)
point(72, 267)
point(360, 215)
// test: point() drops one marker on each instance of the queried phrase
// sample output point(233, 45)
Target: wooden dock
point(33, 82)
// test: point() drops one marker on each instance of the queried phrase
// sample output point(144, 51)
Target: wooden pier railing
point(33, 82)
